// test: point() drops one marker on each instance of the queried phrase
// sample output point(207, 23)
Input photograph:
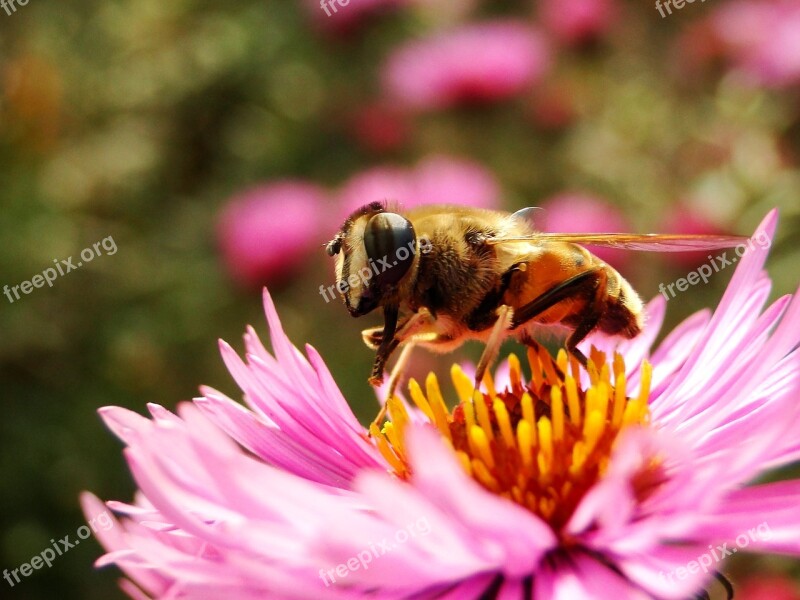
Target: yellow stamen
point(536, 369)
point(557, 409)
point(469, 414)
point(504, 423)
point(602, 397)
point(463, 384)
point(546, 464)
point(390, 433)
point(385, 450)
point(619, 364)
point(591, 400)
point(562, 360)
point(515, 371)
point(481, 443)
point(576, 368)
point(647, 376)
point(526, 439)
point(549, 368)
point(527, 409)
point(593, 429)
point(438, 406)
point(545, 458)
point(571, 388)
point(398, 414)
point(482, 412)
point(484, 476)
point(489, 383)
point(465, 461)
point(419, 399)
point(594, 376)
point(619, 400)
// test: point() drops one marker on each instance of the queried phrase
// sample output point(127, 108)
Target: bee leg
point(583, 329)
point(410, 327)
point(388, 343)
point(372, 337)
point(589, 284)
point(400, 367)
point(587, 323)
point(394, 380)
point(381, 358)
point(505, 315)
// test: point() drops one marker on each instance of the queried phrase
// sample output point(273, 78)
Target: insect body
point(487, 275)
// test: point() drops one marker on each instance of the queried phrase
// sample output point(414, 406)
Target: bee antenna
point(526, 214)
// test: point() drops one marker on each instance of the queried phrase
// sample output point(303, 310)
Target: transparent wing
point(648, 242)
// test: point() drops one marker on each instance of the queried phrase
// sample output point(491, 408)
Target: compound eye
point(390, 242)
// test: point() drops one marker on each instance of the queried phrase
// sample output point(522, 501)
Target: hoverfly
point(483, 274)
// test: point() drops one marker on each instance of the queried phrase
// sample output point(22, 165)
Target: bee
point(447, 274)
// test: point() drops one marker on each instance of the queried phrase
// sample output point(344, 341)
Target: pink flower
point(265, 232)
point(380, 127)
point(762, 38)
point(435, 180)
point(478, 63)
point(624, 479)
point(577, 212)
point(345, 15)
point(576, 22)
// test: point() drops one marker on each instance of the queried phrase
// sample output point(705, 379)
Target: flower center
point(542, 445)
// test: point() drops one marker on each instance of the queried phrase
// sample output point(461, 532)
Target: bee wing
point(650, 242)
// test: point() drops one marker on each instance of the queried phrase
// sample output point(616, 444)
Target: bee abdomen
point(623, 312)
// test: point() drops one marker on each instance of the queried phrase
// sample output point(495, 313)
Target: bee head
point(374, 251)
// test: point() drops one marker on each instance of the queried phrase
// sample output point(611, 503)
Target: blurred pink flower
point(771, 587)
point(577, 212)
point(687, 220)
point(345, 15)
point(763, 38)
point(618, 488)
point(435, 180)
point(576, 22)
point(478, 63)
point(698, 48)
point(265, 232)
point(380, 127)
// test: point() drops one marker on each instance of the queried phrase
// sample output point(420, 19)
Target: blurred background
point(219, 145)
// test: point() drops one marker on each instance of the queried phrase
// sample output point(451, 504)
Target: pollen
point(541, 444)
